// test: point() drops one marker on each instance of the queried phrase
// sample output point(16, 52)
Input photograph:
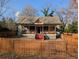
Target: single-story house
point(39, 24)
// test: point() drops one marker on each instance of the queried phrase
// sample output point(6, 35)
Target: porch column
point(42, 28)
point(35, 28)
point(49, 29)
point(55, 28)
point(29, 29)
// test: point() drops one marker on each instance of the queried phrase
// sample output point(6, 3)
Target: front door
point(39, 29)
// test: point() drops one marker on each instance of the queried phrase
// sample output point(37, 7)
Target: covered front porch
point(32, 29)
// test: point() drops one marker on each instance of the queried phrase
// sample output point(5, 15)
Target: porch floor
point(32, 36)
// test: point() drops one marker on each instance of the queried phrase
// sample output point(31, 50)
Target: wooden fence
point(36, 49)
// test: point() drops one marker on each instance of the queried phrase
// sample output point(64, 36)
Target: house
point(39, 24)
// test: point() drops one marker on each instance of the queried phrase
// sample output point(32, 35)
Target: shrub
point(74, 27)
point(68, 28)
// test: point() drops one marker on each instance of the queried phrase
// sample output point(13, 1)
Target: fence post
point(66, 41)
point(13, 45)
point(66, 50)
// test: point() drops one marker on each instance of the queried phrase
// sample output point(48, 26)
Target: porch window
point(52, 28)
point(45, 28)
point(32, 28)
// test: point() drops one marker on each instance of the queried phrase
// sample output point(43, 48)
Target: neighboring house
point(39, 24)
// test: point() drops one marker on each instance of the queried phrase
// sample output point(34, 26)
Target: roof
point(44, 20)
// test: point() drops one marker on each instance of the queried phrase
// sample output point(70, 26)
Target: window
point(52, 28)
point(45, 28)
point(32, 28)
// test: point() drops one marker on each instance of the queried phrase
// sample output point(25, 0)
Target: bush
point(72, 28)
point(68, 28)
point(8, 23)
point(62, 28)
point(4, 30)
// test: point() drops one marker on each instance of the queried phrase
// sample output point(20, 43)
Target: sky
point(18, 5)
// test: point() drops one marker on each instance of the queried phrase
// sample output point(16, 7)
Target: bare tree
point(3, 6)
point(74, 4)
point(70, 14)
point(29, 11)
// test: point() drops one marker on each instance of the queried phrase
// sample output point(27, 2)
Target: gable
point(38, 21)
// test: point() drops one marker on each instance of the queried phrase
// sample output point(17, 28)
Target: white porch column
point(35, 28)
point(42, 28)
point(55, 28)
point(48, 28)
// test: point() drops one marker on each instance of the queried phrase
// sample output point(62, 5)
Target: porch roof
point(44, 20)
